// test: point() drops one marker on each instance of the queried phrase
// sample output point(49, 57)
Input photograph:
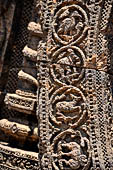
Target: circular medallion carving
point(68, 65)
point(71, 151)
point(70, 23)
point(68, 107)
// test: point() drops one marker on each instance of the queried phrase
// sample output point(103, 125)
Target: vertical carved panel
point(64, 90)
point(68, 107)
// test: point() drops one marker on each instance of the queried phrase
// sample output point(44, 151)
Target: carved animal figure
point(77, 159)
point(70, 59)
point(69, 24)
point(66, 107)
point(69, 106)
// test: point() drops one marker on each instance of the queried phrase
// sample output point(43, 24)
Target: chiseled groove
point(83, 67)
point(50, 65)
point(24, 76)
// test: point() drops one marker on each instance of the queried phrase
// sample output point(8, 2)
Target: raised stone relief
point(57, 111)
